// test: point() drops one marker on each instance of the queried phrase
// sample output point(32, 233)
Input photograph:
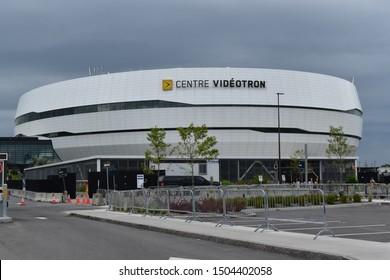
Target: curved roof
point(301, 89)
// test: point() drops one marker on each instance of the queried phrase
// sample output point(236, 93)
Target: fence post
point(266, 214)
point(132, 202)
point(168, 203)
point(146, 194)
point(108, 200)
point(325, 221)
point(194, 217)
point(224, 220)
point(168, 214)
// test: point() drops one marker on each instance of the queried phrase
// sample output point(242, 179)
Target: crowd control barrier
point(295, 206)
point(242, 201)
point(265, 206)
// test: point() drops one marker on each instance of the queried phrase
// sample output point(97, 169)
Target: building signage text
point(232, 83)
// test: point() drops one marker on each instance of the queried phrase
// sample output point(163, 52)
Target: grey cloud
point(49, 41)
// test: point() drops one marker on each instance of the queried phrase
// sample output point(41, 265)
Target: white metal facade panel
point(311, 102)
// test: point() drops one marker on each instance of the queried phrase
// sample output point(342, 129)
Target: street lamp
point(279, 171)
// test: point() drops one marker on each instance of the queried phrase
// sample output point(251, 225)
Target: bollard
point(3, 204)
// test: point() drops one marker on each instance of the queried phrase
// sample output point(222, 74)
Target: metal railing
point(296, 206)
point(264, 205)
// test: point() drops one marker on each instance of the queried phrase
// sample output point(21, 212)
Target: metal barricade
point(242, 201)
point(116, 201)
point(370, 191)
point(265, 206)
point(193, 203)
point(296, 206)
point(381, 192)
point(182, 201)
point(138, 201)
point(157, 201)
point(342, 189)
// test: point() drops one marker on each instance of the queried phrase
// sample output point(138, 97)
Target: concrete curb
point(4, 220)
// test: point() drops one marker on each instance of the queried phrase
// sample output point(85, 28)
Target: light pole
point(107, 166)
point(279, 171)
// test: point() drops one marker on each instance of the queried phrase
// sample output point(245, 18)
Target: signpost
point(301, 166)
point(260, 179)
point(140, 181)
point(107, 166)
point(62, 173)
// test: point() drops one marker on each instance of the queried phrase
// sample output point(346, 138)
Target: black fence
point(15, 185)
point(120, 181)
point(54, 184)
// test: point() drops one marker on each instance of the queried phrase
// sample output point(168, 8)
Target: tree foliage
point(39, 161)
point(195, 145)
point(338, 147)
point(295, 160)
point(159, 149)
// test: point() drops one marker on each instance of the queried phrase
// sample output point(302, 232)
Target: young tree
point(297, 157)
point(196, 145)
point(38, 161)
point(159, 149)
point(338, 148)
point(296, 160)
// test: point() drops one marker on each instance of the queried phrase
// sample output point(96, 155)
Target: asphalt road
point(42, 231)
point(361, 221)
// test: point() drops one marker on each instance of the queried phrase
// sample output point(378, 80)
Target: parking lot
point(362, 221)
point(290, 210)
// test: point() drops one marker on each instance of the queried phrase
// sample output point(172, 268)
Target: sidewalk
point(295, 244)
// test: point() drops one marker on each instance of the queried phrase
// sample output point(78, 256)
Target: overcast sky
point(47, 41)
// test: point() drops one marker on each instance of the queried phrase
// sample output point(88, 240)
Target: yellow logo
point(167, 84)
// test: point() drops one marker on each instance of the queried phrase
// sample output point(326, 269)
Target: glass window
point(202, 168)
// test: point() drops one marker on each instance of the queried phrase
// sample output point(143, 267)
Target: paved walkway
point(295, 244)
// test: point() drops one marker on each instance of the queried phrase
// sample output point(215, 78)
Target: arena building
point(247, 110)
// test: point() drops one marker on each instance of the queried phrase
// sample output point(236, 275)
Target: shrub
point(246, 182)
point(331, 198)
point(210, 205)
point(225, 183)
point(352, 179)
point(181, 205)
point(158, 212)
point(343, 198)
point(315, 199)
point(235, 204)
point(256, 202)
point(357, 198)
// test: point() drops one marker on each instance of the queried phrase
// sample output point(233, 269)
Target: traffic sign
point(301, 166)
point(62, 172)
point(140, 181)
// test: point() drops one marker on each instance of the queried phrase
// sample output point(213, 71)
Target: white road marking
point(365, 233)
point(178, 258)
point(360, 226)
